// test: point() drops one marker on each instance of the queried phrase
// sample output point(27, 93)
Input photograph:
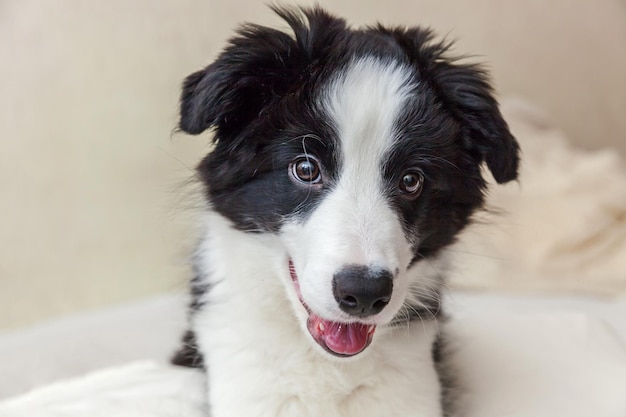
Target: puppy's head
point(360, 150)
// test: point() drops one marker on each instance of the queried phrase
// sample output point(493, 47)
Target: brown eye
point(411, 184)
point(306, 169)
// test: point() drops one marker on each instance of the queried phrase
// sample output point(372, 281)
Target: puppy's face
point(359, 150)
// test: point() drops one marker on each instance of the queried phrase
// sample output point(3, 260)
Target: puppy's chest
point(263, 371)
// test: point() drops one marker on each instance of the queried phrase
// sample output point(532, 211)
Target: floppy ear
point(470, 95)
point(258, 66)
point(464, 89)
point(231, 92)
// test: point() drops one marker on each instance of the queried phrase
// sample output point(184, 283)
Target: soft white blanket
point(135, 390)
point(514, 365)
point(562, 228)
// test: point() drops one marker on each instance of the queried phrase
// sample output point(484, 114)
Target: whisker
point(431, 158)
point(306, 136)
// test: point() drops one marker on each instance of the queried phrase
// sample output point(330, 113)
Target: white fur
point(252, 330)
point(355, 223)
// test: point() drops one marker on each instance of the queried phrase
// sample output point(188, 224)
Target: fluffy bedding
point(560, 231)
point(137, 389)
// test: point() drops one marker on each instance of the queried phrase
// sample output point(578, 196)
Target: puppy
point(345, 161)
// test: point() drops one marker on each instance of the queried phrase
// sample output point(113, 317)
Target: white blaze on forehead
point(364, 103)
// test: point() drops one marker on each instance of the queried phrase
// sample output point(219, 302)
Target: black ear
point(231, 92)
point(258, 66)
point(464, 89)
point(468, 93)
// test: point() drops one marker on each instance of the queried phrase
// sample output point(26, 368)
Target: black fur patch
point(448, 380)
point(188, 355)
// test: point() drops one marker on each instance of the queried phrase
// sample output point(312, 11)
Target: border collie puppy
point(344, 162)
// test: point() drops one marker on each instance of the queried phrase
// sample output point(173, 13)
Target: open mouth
point(339, 339)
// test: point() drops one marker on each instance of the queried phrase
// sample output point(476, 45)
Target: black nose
point(362, 291)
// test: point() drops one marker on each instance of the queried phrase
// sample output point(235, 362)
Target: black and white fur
point(345, 161)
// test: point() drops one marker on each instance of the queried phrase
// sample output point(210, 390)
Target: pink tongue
point(341, 338)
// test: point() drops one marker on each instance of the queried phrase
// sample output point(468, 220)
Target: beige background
point(93, 206)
